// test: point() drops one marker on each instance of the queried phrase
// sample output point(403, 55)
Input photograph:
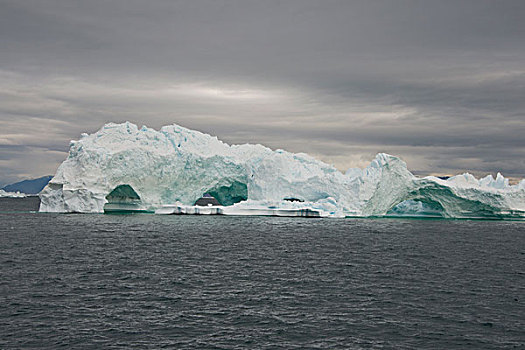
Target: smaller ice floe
point(179, 209)
point(4, 194)
point(322, 208)
point(242, 209)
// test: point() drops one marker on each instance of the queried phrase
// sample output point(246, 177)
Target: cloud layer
point(440, 84)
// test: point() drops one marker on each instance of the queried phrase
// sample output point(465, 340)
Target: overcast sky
point(439, 83)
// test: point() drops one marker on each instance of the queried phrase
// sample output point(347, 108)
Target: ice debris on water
point(122, 167)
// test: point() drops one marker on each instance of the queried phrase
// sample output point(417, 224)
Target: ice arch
point(431, 198)
point(123, 194)
point(417, 208)
point(230, 194)
point(122, 199)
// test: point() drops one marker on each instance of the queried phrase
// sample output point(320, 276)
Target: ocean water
point(214, 282)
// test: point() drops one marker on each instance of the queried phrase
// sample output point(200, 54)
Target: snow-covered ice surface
point(149, 170)
point(12, 194)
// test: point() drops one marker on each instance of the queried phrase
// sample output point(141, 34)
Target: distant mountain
point(33, 186)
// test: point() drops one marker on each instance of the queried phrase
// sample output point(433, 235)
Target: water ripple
point(144, 281)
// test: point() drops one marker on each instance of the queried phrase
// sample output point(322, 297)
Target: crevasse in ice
point(149, 169)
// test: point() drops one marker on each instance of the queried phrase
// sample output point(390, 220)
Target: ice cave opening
point(123, 199)
point(231, 194)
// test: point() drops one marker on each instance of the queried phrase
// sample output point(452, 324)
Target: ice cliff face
point(147, 168)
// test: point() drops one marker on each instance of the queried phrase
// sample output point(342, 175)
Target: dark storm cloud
point(439, 83)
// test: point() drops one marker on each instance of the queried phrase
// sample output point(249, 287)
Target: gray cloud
point(440, 84)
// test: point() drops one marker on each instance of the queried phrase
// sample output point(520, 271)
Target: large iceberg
point(144, 169)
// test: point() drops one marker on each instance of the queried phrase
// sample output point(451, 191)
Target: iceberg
point(5, 194)
point(124, 168)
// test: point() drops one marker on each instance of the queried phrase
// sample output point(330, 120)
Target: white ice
point(12, 194)
point(176, 166)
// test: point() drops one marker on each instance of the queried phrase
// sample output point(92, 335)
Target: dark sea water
point(215, 282)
